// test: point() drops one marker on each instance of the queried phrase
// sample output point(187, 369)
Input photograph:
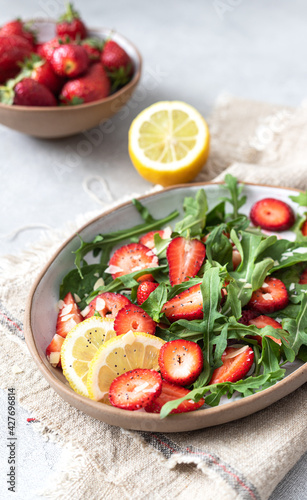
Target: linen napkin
point(244, 459)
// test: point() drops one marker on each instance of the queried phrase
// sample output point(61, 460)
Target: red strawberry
point(46, 49)
point(263, 321)
point(304, 228)
point(271, 297)
point(107, 304)
point(93, 47)
point(236, 259)
point(68, 317)
point(170, 392)
point(53, 351)
point(236, 363)
point(70, 24)
point(148, 238)
point(130, 258)
point(187, 305)
point(181, 361)
point(40, 70)
point(272, 214)
point(118, 64)
point(70, 60)
point(135, 389)
point(29, 92)
point(18, 28)
point(185, 258)
point(144, 290)
point(303, 278)
point(133, 318)
point(93, 86)
point(13, 49)
point(247, 315)
point(146, 277)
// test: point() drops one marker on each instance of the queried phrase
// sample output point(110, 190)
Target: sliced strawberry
point(271, 297)
point(187, 305)
point(272, 214)
point(130, 258)
point(236, 259)
point(146, 277)
point(133, 318)
point(170, 392)
point(135, 389)
point(236, 363)
point(181, 361)
point(185, 258)
point(262, 322)
point(304, 228)
point(107, 304)
point(247, 315)
point(303, 278)
point(69, 316)
point(148, 239)
point(144, 290)
point(53, 351)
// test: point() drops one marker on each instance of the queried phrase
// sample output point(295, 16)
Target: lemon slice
point(79, 348)
point(169, 142)
point(119, 355)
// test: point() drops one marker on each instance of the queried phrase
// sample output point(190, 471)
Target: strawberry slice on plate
point(272, 214)
point(107, 304)
point(304, 228)
point(130, 258)
point(236, 363)
point(271, 297)
point(181, 361)
point(133, 318)
point(186, 305)
point(135, 389)
point(170, 392)
point(185, 258)
point(303, 278)
point(69, 316)
point(53, 351)
point(144, 290)
point(148, 239)
point(262, 322)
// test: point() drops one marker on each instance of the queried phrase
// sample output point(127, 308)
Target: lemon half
point(169, 143)
point(79, 348)
point(119, 355)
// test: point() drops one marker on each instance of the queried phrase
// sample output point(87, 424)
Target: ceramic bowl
point(63, 121)
point(41, 315)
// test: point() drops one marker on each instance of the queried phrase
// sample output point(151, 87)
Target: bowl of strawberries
point(58, 78)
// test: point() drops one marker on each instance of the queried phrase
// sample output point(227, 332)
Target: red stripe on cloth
point(11, 321)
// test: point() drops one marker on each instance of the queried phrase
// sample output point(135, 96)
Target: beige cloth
point(245, 459)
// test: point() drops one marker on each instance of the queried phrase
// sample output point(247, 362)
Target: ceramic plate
point(41, 314)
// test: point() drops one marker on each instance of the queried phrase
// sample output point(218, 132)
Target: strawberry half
point(170, 392)
point(236, 363)
point(181, 361)
point(130, 258)
point(262, 322)
point(187, 305)
point(133, 318)
point(53, 351)
point(148, 239)
point(107, 304)
point(185, 258)
point(303, 278)
point(135, 389)
point(304, 228)
point(68, 317)
point(144, 290)
point(272, 214)
point(271, 297)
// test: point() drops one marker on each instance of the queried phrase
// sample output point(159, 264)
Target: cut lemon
point(169, 143)
point(79, 348)
point(119, 355)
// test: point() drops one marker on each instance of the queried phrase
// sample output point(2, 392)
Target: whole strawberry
point(41, 70)
point(91, 87)
point(118, 64)
point(17, 27)
point(93, 47)
point(46, 49)
point(13, 49)
point(27, 92)
point(70, 24)
point(70, 60)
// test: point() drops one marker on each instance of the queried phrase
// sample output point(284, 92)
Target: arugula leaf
point(235, 191)
point(297, 327)
point(286, 253)
point(73, 283)
point(216, 215)
point(300, 199)
point(154, 303)
point(302, 353)
point(143, 211)
point(195, 210)
point(218, 246)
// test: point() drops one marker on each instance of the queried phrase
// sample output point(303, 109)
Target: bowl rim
point(299, 375)
point(62, 109)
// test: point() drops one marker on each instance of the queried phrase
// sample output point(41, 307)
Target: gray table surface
point(192, 52)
